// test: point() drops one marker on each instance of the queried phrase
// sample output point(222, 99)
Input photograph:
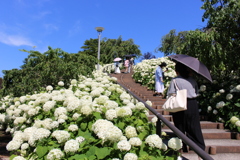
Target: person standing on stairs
point(159, 85)
point(126, 65)
point(187, 121)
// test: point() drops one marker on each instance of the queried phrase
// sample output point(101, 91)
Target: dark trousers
point(189, 123)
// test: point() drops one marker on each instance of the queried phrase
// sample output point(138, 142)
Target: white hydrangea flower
point(18, 158)
point(221, 91)
point(73, 82)
point(131, 105)
point(175, 143)
point(234, 119)
point(237, 123)
point(80, 139)
point(73, 104)
point(126, 101)
point(86, 110)
point(95, 93)
point(48, 105)
point(109, 104)
point(130, 156)
point(229, 96)
point(123, 145)
point(55, 154)
point(209, 108)
point(124, 96)
point(59, 111)
point(61, 135)
point(202, 88)
point(220, 104)
point(215, 111)
point(23, 99)
point(123, 111)
point(140, 106)
point(135, 141)
point(24, 146)
point(32, 112)
point(54, 124)
point(154, 120)
point(49, 88)
point(123, 138)
point(154, 141)
point(149, 103)
point(18, 136)
point(238, 87)
point(76, 116)
point(73, 127)
point(131, 132)
point(61, 83)
point(111, 88)
point(111, 114)
point(164, 147)
point(71, 146)
point(13, 145)
point(19, 120)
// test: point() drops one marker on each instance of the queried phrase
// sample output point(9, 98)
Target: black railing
point(176, 131)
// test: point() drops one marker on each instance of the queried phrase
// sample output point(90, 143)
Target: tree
point(147, 55)
point(40, 70)
point(110, 48)
point(217, 44)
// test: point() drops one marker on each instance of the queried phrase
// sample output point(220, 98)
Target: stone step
point(211, 134)
point(205, 125)
point(219, 156)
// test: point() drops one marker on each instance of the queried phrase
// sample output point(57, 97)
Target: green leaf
point(91, 151)
point(83, 126)
point(101, 153)
point(237, 104)
point(41, 151)
point(77, 157)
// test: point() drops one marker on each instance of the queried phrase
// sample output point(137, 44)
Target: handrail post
point(159, 128)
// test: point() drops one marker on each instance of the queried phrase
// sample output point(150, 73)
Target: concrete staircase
point(221, 144)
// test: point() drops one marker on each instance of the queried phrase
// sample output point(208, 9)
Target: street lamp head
point(99, 29)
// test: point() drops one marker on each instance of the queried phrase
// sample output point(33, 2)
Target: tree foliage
point(217, 44)
point(110, 48)
point(40, 70)
point(147, 55)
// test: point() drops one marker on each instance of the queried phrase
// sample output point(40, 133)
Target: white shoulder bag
point(176, 102)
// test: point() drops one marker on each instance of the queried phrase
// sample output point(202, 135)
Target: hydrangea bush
point(92, 119)
point(144, 72)
point(220, 101)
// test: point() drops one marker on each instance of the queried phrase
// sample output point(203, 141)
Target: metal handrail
point(182, 136)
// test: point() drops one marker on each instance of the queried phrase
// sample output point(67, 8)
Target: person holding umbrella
point(116, 64)
point(187, 121)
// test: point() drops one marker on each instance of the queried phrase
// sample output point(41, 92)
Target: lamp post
point(99, 30)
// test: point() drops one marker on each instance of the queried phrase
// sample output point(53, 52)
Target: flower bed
point(93, 119)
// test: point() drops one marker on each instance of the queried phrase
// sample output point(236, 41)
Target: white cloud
point(14, 40)
point(50, 27)
point(75, 29)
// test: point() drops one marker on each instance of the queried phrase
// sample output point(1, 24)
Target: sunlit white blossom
point(55, 154)
point(130, 156)
point(123, 145)
point(154, 141)
point(175, 143)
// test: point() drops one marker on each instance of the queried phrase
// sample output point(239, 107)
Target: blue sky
point(67, 24)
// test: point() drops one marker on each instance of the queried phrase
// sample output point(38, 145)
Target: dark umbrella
point(130, 55)
point(194, 64)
